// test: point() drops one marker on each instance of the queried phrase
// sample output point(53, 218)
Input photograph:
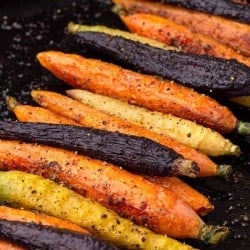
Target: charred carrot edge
point(199, 204)
point(231, 33)
point(227, 9)
point(171, 33)
point(15, 214)
point(184, 131)
point(16, 187)
point(143, 90)
point(7, 245)
point(88, 116)
point(192, 197)
point(115, 188)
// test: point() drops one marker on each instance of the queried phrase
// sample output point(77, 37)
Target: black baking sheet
point(27, 27)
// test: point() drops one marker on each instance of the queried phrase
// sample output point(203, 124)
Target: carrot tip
point(118, 9)
point(11, 102)
point(243, 128)
point(186, 168)
point(213, 234)
point(224, 170)
point(235, 150)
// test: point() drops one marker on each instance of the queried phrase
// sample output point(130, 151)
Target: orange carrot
point(192, 197)
point(228, 32)
point(144, 90)
point(6, 245)
point(200, 203)
point(126, 193)
point(14, 214)
point(171, 33)
point(35, 113)
point(90, 117)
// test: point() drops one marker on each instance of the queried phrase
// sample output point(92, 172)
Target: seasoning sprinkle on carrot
point(149, 91)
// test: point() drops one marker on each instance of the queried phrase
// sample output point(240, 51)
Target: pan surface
point(28, 27)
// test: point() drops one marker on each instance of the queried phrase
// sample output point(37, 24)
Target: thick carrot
point(181, 130)
point(171, 33)
point(195, 200)
point(88, 116)
point(192, 197)
point(34, 192)
point(231, 33)
point(14, 214)
point(149, 91)
point(126, 193)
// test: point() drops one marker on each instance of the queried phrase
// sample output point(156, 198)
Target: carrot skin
point(6, 245)
point(128, 194)
point(148, 91)
point(90, 117)
point(200, 203)
point(171, 33)
point(192, 197)
point(231, 33)
point(14, 214)
point(132, 153)
point(37, 236)
point(224, 8)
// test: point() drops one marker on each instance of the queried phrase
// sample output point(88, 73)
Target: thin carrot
point(144, 90)
point(34, 113)
point(90, 117)
point(14, 214)
point(184, 131)
point(199, 204)
point(228, 32)
point(171, 33)
point(126, 193)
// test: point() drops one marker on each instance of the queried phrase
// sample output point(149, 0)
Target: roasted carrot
point(34, 192)
point(242, 100)
point(133, 153)
point(6, 245)
point(14, 214)
point(126, 34)
point(199, 204)
point(149, 91)
point(171, 33)
point(224, 8)
point(192, 197)
point(181, 130)
point(34, 113)
point(234, 34)
point(126, 193)
point(209, 75)
point(88, 116)
point(39, 236)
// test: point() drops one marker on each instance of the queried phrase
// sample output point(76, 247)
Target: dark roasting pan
point(27, 27)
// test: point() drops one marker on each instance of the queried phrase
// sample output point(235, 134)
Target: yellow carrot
point(184, 131)
point(90, 117)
